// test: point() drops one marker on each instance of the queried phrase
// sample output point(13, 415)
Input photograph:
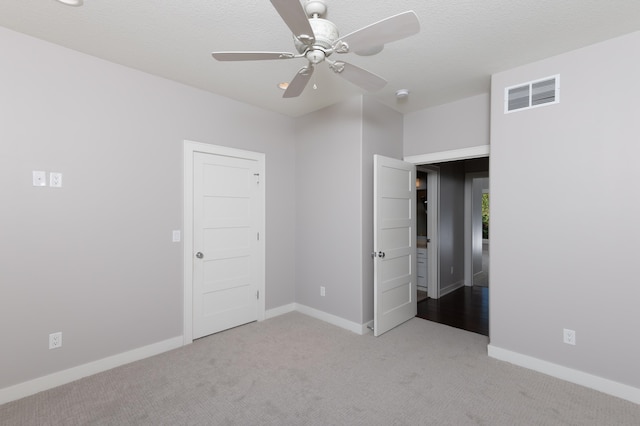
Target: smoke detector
point(402, 94)
point(72, 2)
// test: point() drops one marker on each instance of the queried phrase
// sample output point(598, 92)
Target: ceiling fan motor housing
point(325, 32)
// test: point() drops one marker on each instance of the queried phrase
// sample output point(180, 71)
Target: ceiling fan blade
point(377, 34)
point(251, 56)
point(293, 14)
point(299, 82)
point(358, 76)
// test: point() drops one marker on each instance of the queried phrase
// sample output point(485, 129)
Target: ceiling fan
point(316, 39)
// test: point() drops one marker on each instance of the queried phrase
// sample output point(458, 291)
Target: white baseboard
point(600, 384)
point(280, 310)
point(321, 315)
point(332, 319)
point(59, 378)
point(451, 287)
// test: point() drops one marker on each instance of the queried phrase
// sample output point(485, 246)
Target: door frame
point(433, 222)
point(434, 158)
point(189, 148)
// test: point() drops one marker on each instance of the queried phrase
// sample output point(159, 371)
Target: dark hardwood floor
point(466, 308)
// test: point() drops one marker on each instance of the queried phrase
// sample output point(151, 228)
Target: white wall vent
point(545, 91)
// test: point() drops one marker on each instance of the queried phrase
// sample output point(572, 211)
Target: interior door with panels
point(226, 222)
point(395, 251)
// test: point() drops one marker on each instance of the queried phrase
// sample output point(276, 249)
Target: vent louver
point(532, 94)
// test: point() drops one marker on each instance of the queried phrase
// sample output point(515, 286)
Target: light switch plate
point(55, 180)
point(39, 178)
point(176, 236)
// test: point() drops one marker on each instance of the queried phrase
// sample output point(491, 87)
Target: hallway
point(466, 308)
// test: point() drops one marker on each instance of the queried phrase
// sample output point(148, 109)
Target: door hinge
point(257, 175)
point(258, 294)
point(258, 236)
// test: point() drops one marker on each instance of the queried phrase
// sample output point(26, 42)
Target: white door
point(227, 212)
point(394, 238)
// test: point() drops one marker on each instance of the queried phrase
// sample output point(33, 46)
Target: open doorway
point(461, 293)
point(427, 183)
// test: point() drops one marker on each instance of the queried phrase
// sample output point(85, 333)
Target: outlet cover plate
point(55, 340)
point(39, 178)
point(55, 180)
point(569, 336)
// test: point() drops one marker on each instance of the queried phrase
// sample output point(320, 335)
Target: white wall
point(564, 209)
point(94, 259)
point(455, 125)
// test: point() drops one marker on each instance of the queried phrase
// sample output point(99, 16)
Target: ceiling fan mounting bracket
point(315, 8)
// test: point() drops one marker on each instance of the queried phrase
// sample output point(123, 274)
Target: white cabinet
point(422, 269)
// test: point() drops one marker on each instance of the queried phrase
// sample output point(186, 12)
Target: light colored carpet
point(295, 370)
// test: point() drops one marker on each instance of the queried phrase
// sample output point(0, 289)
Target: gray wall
point(94, 259)
point(564, 206)
point(451, 218)
point(456, 125)
point(381, 134)
point(334, 195)
point(328, 194)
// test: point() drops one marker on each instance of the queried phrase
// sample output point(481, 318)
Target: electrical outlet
point(322, 291)
point(55, 340)
point(569, 336)
point(452, 270)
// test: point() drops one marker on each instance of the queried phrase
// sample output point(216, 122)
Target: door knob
point(199, 255)
point(381, 254)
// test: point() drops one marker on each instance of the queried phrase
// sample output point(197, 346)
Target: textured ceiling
point(461, 43)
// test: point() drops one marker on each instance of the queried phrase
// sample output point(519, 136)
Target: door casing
point(434, 158)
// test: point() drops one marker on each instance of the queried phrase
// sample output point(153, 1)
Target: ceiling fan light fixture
point(74, 3)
